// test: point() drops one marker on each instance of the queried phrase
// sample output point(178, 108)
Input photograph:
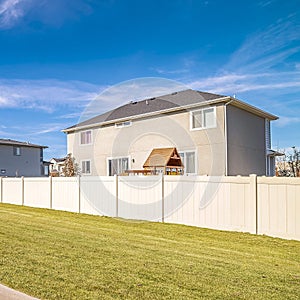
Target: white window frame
point(117, 157)
point(123, 124)
point(202, 110)
point(184, 161)
point(81, 169)
point(17, 150)
point(80, 140)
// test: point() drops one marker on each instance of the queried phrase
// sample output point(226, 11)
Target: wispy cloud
point(268, 48)
point(131, 90)
point(265, 3)
point(10, 12)
point(162, 71)
point(47, 95)
point(238, 83)
point(53, 13)
point(49, 128)
point(284, 121)
point(261, 63)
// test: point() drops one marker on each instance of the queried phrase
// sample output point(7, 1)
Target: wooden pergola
point(164, 160)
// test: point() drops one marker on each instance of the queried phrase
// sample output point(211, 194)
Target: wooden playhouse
point(164, 160)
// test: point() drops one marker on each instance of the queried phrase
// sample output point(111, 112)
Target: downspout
point(225, 134)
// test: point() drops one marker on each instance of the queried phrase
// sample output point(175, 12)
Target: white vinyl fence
point(259, 205)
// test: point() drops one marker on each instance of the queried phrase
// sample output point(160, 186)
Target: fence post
point(1, 186)
point(253, 195)
point(162, 198)
point(79, 194)
point(50, 192)
point(117, 195)
point(22, 183)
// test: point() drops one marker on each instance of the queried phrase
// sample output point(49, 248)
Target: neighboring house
point(56, 166)
point(214, 135)
point(21, 159)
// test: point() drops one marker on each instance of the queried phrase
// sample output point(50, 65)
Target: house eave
point(252, 109)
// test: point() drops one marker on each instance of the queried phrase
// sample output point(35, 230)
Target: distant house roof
point(10, 142)
point(163, 157)
point(162, 104)
point(58, 160)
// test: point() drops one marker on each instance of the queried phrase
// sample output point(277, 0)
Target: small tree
point(70, 168)
point(289, 164)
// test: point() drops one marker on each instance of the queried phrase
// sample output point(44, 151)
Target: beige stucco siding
point(246, 142)
point(137, 141)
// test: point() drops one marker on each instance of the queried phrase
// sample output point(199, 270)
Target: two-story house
point(214, 135)
point(21, 159)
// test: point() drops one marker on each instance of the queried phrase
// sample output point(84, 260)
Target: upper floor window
point(86, 137)
point(17, 151)
point(123, 124)
point(203, 118)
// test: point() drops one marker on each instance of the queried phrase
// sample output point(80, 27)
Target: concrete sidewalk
point(7, 293)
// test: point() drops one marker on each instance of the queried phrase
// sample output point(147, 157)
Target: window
point(123, 124)
point(86, 167)
point(17, 151)
point(117, 165)
point(188, 159)
point(86, 137)
point(203, 118)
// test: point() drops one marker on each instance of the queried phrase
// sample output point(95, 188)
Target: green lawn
point(58, 255)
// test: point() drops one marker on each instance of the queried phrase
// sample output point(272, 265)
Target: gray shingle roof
point(17, 143)
point(155, 104)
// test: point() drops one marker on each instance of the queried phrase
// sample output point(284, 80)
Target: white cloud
point(285, 121)
point(131, 90)
point(49, 128)
point(268, 48)
point(237, 83)
point(53, 13)
point(10, 12)
point(168, 72)
point(47, 95)
point(258, 64)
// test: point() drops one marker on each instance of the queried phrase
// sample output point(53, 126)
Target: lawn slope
point(58, 255)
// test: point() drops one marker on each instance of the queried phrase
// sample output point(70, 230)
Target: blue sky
point(56, 56)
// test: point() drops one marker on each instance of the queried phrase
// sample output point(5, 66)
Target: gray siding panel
point(27, 164)
point(245, 142)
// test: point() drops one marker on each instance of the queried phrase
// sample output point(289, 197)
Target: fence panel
point(212, 202)
point(279, 207)
point(265, 205)
point(12, 190)
point(65, 194)
point(140, 197)
point(98, 195)
point(37, 192)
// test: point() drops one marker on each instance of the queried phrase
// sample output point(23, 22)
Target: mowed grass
point(59, 255)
